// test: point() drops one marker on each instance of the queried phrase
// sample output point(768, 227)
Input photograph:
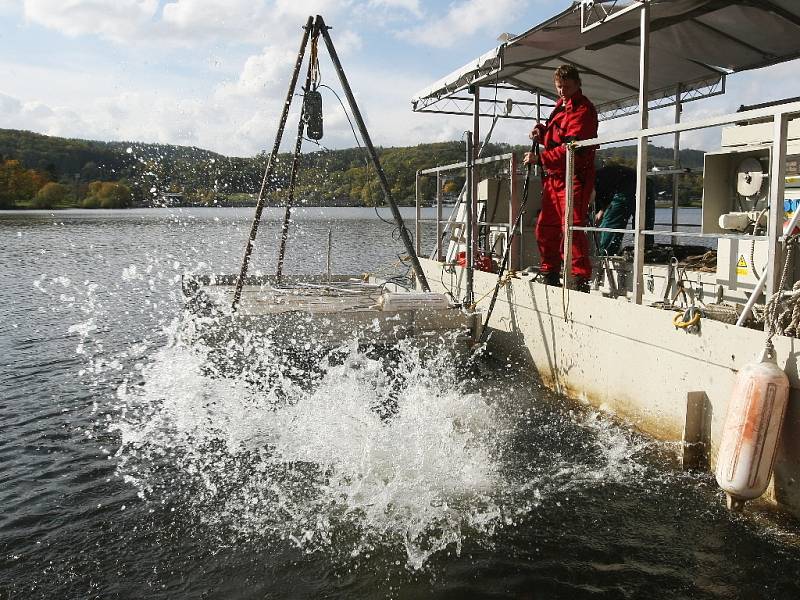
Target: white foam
point(324, 459)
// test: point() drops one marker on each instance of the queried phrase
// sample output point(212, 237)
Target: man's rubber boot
point(553, 278)
point(579, 284)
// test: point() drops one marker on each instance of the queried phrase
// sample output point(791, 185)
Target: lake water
point(129, 470)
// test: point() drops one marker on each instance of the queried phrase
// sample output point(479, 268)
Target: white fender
point(752, 429)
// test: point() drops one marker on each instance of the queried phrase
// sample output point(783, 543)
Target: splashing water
point(358, 455)
point(316, 463)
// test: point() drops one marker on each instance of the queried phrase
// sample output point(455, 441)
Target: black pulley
point(312, 114)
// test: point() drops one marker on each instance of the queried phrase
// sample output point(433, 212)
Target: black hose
point(507, 253)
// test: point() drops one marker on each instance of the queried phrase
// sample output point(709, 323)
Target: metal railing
point(453, 219)
point(779, 115)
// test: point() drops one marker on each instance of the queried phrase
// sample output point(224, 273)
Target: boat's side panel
point(631, 361)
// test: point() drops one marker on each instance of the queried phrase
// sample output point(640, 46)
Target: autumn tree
point(107, 194)
point(50, 195)
point(18, 184)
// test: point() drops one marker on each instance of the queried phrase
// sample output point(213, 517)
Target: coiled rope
point(782, 313)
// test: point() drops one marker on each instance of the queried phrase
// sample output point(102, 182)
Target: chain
point(314, 59)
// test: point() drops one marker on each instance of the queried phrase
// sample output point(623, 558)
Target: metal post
point(476, 136)
point(468, 221)
point(423, 281)
point(271, 164)
point(569, 217)
point(418, 214)
point(330, 253)
point(676, 161)
point(641, 153)
point(777, 185)
point(513, 211)
point(538, 120)
point(287, 211)
point(438, 216)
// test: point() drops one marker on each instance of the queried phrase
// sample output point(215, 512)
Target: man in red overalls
point(573, 118)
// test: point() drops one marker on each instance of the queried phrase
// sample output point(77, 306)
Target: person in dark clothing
point(615, 203)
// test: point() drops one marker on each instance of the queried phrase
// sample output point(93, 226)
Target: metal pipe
point(287, 211)
point(513, 211)
point(417, 214)
point(423, 281)
point(536, 168)
point(476, 136)
point(330, 253)
point(237, 294)
point(469, 217)
point(461, 165)
point(569, 217)
point(641, 153)
point(791, 109)
point(676, 159)
point(438, 217)
point(777, 185)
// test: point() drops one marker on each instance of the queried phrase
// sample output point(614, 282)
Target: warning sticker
point(741, 266)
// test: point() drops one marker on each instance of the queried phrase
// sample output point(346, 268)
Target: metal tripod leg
point(271, 165)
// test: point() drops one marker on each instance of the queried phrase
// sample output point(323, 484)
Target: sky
point(214, 73)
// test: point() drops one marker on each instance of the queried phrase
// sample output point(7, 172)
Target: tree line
point(38, 171)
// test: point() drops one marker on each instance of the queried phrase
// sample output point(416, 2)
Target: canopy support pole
point(777, 187)
point(421, 279)
point(641, 152)
point(473, 223)
point(271, 165)
point(469, 218)
point(676, 161)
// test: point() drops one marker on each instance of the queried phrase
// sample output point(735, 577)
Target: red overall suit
point(571, 119)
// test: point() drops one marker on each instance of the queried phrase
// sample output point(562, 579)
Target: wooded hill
point(154, 174)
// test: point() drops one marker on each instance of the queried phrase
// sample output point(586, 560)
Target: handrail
point(463, 165)
point(779, 115)
point(791, 109)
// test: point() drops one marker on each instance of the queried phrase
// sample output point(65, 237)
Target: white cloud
point(181, 22)
point(297, 10)
point(262, 74)
point(9, 106)
point(411, 6)
point(117, 20)
point(347, 41)
point(463, 19)
point(203, 20)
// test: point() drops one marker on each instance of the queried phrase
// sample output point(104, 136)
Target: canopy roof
point(693, 43)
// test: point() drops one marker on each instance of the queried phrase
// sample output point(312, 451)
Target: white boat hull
point(631, 361)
